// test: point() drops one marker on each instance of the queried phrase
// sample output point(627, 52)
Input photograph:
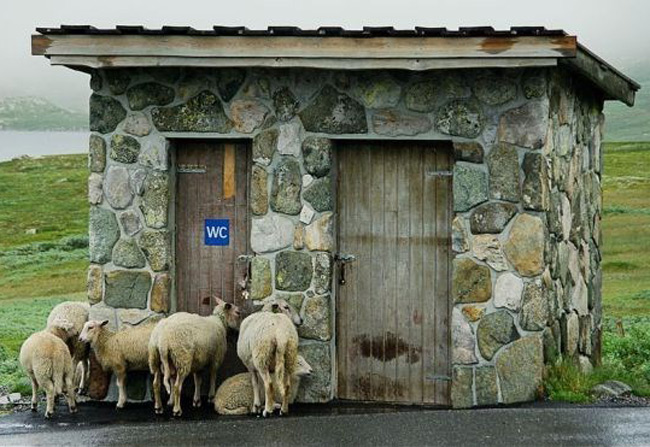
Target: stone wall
point(515, 135)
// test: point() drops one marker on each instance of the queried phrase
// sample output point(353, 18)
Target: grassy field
point(626, 230)
point(48, 196)
point(40, 270)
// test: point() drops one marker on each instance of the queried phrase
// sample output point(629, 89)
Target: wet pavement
point(536, 425)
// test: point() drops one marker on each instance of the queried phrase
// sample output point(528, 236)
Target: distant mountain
point(623, 123)
point(33, 113)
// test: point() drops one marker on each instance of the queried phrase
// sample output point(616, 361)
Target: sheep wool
point(235, 395)
point(76, 312)
point(121, 351)
point(268, 344)
point(46, 359)
point(187, 344)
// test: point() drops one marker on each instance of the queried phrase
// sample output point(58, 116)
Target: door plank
point(429, 285)
point(442, 347)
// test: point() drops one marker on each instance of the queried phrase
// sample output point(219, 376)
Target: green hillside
point(31, 113)
point(625, 123)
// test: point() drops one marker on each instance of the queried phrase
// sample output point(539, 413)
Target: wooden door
point(211, 183)
point(393, 312)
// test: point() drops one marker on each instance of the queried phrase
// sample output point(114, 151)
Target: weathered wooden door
point(211, 183)
point(394, 217)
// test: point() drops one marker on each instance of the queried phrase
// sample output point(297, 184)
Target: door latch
point(343, 259)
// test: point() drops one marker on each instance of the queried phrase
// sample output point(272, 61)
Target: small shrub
point(642, 295)
point(74, 242)
point(624, 358)
point(631, 352)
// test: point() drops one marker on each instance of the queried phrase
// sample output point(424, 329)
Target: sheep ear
point(228, 306)
point(104, 323)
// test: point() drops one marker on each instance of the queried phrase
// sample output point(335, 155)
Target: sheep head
point(303, 369)
point(277, 305)
point(231, 313)
point(91, 330)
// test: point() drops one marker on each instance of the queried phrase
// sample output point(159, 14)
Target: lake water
point(16, 143)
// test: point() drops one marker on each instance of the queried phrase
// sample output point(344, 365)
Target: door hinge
point(432, 173)
point(191, 169)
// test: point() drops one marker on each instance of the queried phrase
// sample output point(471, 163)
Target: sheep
point(119, 352)
point(188, 343)
point(46, 359)
point(235, 395)
point(75, 312)
point(268, 343)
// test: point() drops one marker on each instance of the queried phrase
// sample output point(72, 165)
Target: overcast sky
point(615, 29)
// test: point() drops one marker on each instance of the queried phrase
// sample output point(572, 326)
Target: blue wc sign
point(216, 232)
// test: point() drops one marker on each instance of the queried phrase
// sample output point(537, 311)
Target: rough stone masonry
point(526, 187)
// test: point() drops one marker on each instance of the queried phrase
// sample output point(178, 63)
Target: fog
point(615, 30)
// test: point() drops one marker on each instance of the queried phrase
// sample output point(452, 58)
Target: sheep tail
point(280, 363)
point(58, 372)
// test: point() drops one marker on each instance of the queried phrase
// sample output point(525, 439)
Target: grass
point(625, 358)
point(47, 195)
point(626, 229)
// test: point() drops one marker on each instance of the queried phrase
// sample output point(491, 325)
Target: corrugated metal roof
point(323, 31)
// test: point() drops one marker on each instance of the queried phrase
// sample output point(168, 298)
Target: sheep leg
point(213, 381)
point(256, 392)
point(178, 388)
point(121, 386)
point(198, 379)
point(285, 392)
point(50, 395)
point(157, 406)
point(70, 393)
point(269, 395)
point(83, 376)
point(34, 395)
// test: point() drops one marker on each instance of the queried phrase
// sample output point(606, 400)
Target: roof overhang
point(86, 48)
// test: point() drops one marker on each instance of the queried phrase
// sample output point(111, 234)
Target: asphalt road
point(535, 426)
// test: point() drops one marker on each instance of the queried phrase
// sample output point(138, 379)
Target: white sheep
point(76, 312)
point(46, 359)
point(119, 352)
point(189, 343)
point(268, 344)
point(235, 395)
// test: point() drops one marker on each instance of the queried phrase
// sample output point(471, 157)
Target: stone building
point(429, 200)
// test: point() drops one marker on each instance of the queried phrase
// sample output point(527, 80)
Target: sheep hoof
point(178, 413)
point(73, 410)
point(119, 407)
point(34, 407)
point(266, 414)
point(158, 410)
point(196, 403)
point(48, 414)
